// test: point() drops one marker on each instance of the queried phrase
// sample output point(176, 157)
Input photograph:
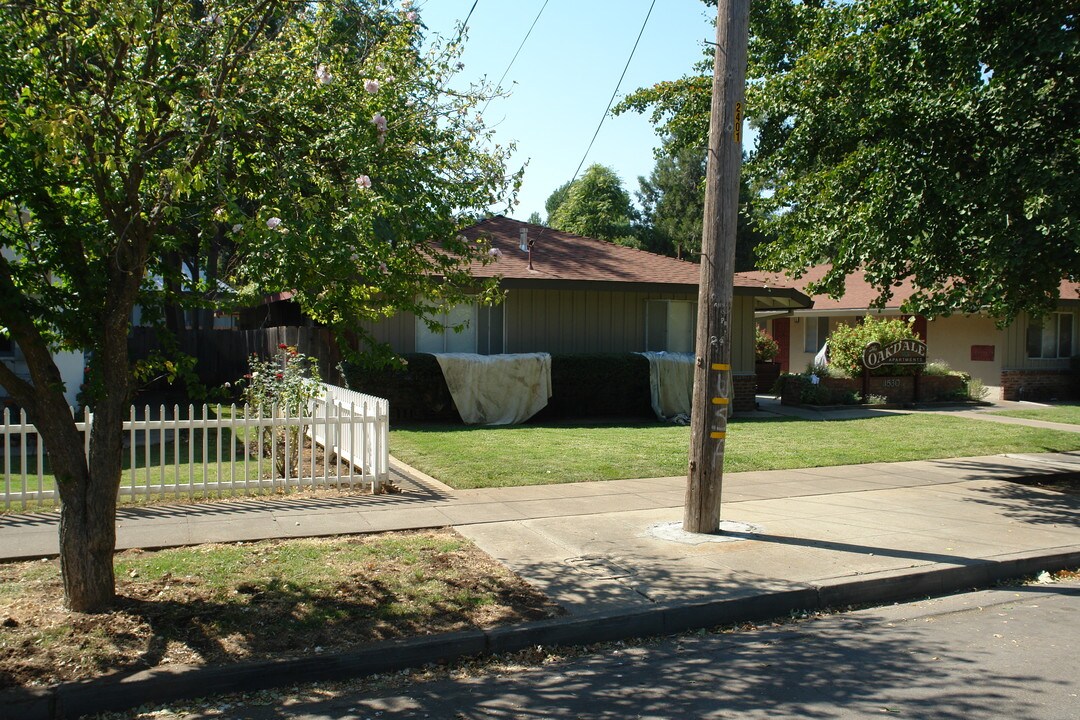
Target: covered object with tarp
point(497, 389)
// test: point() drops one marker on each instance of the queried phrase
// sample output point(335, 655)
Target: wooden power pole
point(712, 375)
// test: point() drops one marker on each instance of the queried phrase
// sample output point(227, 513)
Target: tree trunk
point(87, 541)
point(88, 492)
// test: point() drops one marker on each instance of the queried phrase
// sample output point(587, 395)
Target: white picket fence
point(340, 442)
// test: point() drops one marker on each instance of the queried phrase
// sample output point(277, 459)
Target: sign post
point(901, 352)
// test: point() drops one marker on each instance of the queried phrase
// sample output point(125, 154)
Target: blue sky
point(563, 78)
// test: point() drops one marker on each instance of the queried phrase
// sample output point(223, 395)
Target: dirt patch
point(217, 604)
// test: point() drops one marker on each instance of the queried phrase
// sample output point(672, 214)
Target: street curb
point(72, 700)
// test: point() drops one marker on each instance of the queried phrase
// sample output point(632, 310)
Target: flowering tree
point(314, 146)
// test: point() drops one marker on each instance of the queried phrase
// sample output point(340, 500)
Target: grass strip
point(476, 457)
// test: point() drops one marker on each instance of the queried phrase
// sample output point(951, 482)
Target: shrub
point(582, 385)
point(765, 347)
point(976, 390)
point(937, 367)
point(847, 342)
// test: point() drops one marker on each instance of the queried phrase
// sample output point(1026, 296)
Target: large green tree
point(935, 140)
point(672, 202)
point(314, 142)
point(595, 205)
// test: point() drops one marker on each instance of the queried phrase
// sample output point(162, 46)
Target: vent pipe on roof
point(523, 240)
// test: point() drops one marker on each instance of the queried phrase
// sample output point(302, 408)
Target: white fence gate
point(340, 442)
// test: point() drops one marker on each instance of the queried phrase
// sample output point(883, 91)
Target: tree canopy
point(316, 146)
point(924, 139)
point(595, 205)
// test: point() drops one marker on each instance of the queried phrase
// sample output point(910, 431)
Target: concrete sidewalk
point(612, 554)
point(617, 543)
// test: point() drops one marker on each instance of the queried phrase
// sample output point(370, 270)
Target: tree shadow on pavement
point(858, 665)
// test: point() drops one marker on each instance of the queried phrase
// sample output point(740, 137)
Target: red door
point(919, 326)
point(781, 332)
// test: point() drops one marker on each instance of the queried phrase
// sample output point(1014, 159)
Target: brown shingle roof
point(558, 255)
point(859, 294)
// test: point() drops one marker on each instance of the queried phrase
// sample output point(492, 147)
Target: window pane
point(656, 317)
point(1049, 339)
point(426, 340)
point(810, 338)
point(680, 330)
point(822, 332)
point(465, 340)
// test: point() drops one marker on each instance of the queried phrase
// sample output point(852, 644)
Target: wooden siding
point(399, 332)
point(1015, 350)
point(578, 321)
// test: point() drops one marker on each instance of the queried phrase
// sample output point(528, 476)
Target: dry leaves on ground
point(216, 604)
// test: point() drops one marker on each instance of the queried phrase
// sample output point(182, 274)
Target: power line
point(527, 34)
point(616, 91)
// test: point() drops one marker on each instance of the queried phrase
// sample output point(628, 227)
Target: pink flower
point(379, 121)
point(273, 223)
point(495, 253)
point(237, 228)
point(323, 76)
point(372, 86)
point(406, 4)
point(411, 16)
point(383, 269)
point(363, 182)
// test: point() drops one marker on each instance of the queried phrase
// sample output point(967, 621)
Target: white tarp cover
point(497, 389)
point(671, 382)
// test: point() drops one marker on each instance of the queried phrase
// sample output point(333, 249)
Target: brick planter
point(895, 389)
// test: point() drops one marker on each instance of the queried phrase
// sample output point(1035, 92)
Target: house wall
point(969, 343)
point(598, 321)
point(1024, 378)
point(397, 331)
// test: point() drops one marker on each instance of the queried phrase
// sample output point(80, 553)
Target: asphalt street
point(1001, 653)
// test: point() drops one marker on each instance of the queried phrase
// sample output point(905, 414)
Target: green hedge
point(582, 386)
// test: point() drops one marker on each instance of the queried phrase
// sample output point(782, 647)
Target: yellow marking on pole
point(718, 435)
point(719, 401)
point(721, 366)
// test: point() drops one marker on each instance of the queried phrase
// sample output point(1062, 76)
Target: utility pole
point(712, 373)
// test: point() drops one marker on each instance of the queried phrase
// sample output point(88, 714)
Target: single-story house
point(570, 294)
point(1027, 359)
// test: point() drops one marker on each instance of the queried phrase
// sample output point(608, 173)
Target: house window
point(1051, 337)
point(817, 332)
point(481, 331)
point(670, 325)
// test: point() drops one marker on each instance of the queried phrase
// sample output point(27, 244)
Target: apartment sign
point(901, 352)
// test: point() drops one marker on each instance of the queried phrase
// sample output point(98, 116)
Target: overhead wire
point(523, 41)
point(616, 91)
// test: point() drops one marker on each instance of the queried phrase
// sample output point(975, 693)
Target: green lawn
point(1059, 413)
point(469, 457)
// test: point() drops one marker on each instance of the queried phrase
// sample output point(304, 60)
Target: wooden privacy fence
point(222, 355)
point(340, 441)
